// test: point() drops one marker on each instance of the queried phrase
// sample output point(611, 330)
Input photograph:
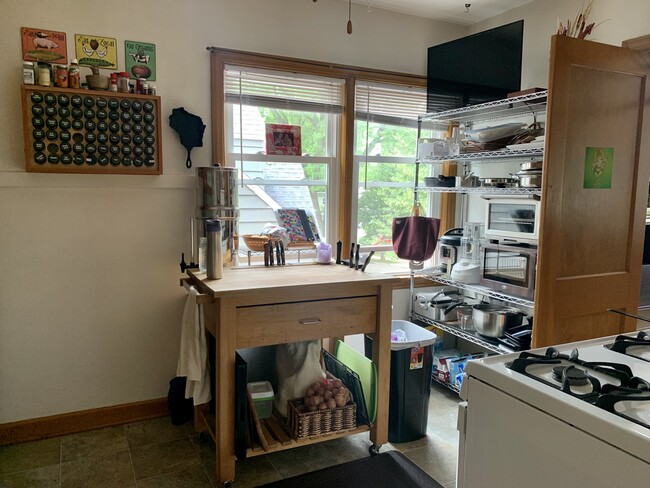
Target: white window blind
point(389, 104)
point(284, 90)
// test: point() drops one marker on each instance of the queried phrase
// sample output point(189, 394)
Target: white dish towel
point(193, 359)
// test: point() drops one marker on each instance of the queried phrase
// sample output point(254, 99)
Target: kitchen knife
point(278, 255)
point(266, 254)
point(356, 257)
point(352, 255)
point(282, 252)
point(339, 244)
point(365, 263)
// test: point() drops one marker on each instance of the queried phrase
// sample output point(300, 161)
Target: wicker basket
point(319, 422)
point(256, 242)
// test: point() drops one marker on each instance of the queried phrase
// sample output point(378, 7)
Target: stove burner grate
point(565, 371)
point(622, 343)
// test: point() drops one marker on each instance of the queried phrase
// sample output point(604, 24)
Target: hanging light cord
point(349, 16)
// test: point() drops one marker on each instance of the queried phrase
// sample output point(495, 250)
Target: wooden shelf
point(278, 436)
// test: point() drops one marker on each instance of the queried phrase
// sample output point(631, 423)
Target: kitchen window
point(250, 90)
point(256, 98)
point(385, 145)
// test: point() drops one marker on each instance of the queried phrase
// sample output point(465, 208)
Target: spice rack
point(91, 132)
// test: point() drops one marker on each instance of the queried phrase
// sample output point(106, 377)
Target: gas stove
point(612, 386)
point(542, 411)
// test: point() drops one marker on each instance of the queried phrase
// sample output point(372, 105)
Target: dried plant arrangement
point(580, 27)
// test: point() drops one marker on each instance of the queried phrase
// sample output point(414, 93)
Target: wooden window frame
point(220, 58)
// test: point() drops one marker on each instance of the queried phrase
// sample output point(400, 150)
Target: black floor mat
point(389, 469)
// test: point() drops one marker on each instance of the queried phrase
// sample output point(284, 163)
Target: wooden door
point(594, 194)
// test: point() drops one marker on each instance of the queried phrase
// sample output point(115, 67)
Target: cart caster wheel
point(374, 449)
point(227, 484)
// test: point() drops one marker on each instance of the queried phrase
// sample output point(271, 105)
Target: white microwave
point(513, 219)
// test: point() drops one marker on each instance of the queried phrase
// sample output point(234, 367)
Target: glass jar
point(44, 74)
point(29, 75)
point(74, 77)
point(123, 82)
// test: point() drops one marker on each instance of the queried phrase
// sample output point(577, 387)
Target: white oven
point(544, 422)
point(513, 219)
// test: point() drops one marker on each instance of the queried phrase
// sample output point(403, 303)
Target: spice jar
point(113, 85)
point(123, 82)
point(145, 88)
point(62, 76)
point(29, 75)
point(74, 78)
point(44, 74)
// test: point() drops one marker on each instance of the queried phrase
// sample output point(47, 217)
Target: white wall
point(90, 305)
point(623, 19)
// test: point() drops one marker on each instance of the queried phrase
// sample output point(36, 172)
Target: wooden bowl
point(97, 82)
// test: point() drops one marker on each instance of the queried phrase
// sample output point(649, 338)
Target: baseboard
point(71, 423)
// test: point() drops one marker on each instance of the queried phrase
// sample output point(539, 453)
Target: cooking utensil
point(467, 181)
point(440, 181)
point(190, 129)
point(529, 179)
point(445, 312)
point(494, 320)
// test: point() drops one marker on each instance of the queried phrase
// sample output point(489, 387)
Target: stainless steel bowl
point(495, 320)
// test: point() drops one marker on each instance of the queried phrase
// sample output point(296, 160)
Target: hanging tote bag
point(415, 237)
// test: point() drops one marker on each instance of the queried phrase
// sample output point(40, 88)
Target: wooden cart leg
point(224, 378)
point(381, 358)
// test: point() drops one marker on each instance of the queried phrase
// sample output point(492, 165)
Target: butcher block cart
point(253, 307)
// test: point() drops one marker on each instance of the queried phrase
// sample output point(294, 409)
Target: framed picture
point(44, 45)
point(140, 59)
point(96, 51)
point(283, 139)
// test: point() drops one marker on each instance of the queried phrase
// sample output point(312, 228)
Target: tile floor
point(157, 454)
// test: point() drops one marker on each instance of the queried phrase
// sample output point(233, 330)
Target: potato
point(316, 400)
point(331, 404)
point(312, 408)
point(309, 392)
point(322, 406)
point(327, 394)
point(338, 383)
point(320, 392)
point(340, 400)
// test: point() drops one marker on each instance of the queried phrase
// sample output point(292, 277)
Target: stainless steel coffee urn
point(217, 198)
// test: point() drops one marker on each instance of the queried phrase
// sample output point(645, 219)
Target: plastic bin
point(262, 395)
point(411, 365)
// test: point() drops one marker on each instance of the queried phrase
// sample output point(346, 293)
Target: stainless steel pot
point(494, 320)
point(529, 179)
point(468, 181)
point(445, 312)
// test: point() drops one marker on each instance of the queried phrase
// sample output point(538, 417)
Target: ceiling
point(447, 10)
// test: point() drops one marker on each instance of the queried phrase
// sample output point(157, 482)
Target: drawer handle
point(310, 321)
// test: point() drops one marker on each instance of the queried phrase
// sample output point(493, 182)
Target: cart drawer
point(293, 322)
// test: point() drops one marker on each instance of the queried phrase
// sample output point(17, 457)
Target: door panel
point(594, 195)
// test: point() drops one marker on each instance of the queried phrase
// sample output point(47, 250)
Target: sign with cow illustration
point(44, 45)
point(140, 59)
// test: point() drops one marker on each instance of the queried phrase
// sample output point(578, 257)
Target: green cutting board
point(367, 372)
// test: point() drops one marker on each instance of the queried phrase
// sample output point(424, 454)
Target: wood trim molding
point(220, 57)
point(74, 422)
point(638, 43)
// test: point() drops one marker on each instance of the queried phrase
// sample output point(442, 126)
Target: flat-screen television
point(475, 69)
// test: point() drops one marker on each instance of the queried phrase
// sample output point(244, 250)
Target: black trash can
point(411, 365)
